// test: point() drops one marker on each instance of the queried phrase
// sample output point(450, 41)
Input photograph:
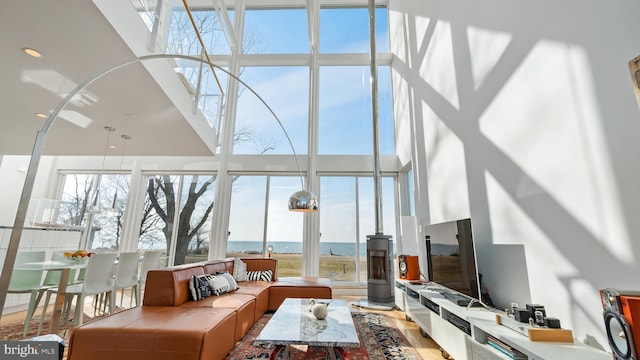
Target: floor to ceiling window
point(309, 62)
point(177, 216)
point(98, 203)
point(347, 217)
point(260, 221)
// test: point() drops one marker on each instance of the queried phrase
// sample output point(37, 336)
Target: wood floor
point(426, 347)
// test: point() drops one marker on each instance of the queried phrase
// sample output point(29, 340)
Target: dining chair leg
point(30, 310)
point(68, 301)
point(112, 303)
point(44, 311)
point(79, 313)
point(138, 295)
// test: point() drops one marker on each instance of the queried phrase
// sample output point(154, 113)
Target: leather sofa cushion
point(143, 332)
point(230, 300)
point(259, 290)
point(302, 281)
point(244, 305)
point(298, 287)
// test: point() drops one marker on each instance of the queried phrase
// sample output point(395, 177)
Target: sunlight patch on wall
point(438, 65)
point(546, 120)
point(447, 170)
point(584, 296)
point(512, 224)
point(486, 47)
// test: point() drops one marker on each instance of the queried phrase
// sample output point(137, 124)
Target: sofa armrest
point(169, 286)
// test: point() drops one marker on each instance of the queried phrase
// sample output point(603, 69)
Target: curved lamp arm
point(301, 201)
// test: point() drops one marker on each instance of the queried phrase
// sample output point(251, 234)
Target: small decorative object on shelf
point(78, 255)
point(535, 332)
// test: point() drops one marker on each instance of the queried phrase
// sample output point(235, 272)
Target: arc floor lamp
point(301, 201)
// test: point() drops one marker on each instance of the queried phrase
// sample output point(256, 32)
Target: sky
point(344, 124)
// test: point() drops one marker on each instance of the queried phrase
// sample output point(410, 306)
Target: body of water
point(284, 247)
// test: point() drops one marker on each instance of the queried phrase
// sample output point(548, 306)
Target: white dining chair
point(27, 282)
point(127, 275)
point(150, 261)
point(98, 280)
point(52, 279)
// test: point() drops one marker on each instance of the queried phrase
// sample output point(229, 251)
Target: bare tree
point(75, 200)
point(188, 224)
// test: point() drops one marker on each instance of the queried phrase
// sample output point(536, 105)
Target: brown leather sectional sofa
point(169, 325)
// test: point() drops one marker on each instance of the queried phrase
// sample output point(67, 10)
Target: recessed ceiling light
point(42, 115)
point(32, 52)
point(112, 147)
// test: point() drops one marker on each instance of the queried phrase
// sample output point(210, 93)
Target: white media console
point(465, 332)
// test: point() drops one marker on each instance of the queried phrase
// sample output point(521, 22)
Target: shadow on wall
point(517, 129)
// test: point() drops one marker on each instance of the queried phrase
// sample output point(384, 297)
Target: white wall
point(522, 115)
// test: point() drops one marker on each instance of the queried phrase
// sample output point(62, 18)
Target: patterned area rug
point(378, 335)
point(13, 330)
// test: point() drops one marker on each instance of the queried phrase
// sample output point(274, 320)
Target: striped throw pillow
point(219, 285)
point(261, 275)
point(233, 285)
point(199, 287)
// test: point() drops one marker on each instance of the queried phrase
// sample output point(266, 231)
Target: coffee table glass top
point(293, 323)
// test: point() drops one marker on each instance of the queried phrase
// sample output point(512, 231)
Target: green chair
point(28, 282)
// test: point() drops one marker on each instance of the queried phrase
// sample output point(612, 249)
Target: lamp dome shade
point(303, 201)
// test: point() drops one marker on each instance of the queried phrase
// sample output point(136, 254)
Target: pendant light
point(94, 208)
point(113, 211)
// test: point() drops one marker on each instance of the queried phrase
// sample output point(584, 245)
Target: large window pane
point(345, 125)
point(157, 217)
point(385, 112)
point(285, 90)
point(246, 216)
point(367, 207)
point(346, 30)
point(97, 202)
point(276, 31)
point(182, 39)
point(106, 225)
point(338, 228)
point(176, 216)
point(76, 197)
point(346, 120)
point(347, 217)
point(251, 231)
point(194, 224)
point(284, 228)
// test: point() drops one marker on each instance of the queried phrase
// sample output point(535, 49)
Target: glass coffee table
point(294, 324)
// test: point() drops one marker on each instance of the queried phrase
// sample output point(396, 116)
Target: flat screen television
point(452, 259)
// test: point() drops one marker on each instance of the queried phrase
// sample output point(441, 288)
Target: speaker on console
point(622, 322)
point(409, 269)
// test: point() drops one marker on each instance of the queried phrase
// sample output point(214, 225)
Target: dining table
point(65, 268)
